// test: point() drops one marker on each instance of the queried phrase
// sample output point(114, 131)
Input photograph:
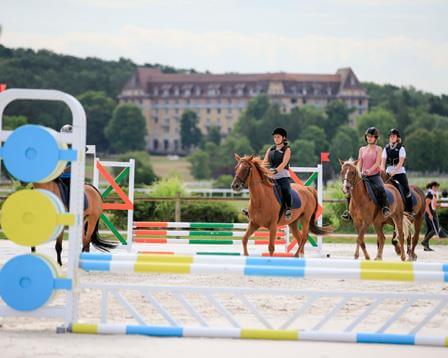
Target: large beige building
point(219, 99)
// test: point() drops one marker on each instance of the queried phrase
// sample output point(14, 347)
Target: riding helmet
point(280, 131)
point(372, 131)
point(395, 131)
point(68, 128)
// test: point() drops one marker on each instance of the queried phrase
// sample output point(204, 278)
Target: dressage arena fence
point(95, 305)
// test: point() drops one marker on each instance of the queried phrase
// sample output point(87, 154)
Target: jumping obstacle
point(33, 153)
point(28, 281)
point(263, 266)
point(208, 238)
point(114, 185)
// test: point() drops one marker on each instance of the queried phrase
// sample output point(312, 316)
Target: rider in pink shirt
point(369, 164)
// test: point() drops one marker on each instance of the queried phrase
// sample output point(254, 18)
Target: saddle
point(372, 194)
point(65, 195)
point(296, 203)
point(397, 185)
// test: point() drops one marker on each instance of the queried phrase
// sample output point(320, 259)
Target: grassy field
point(164, 167)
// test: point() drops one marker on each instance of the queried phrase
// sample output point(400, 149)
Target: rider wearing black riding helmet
point(369, 162)
point(392, 162)
point(278, 157)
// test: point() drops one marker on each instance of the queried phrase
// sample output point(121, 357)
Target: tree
point(126, 130)
point(316, 135)
point(200, 164)
point(99, 109)
point(303, 153)
point(13, 122)
point(337, 115)
point(214, 135)
point(422, 157)
point(144, 172)
point(190, 134)
point(344, 146)
point(379, 118)
point(223, 182)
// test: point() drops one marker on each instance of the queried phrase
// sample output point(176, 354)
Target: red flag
point(2, 87)
point(324, 157)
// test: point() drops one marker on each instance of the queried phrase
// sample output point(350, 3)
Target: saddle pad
point(389, 195)
point(66, 197)
point(400, 189)
point(296, 202)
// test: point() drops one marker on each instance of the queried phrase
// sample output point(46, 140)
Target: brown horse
point(264, 208)
point(91, 219)
point(419, 211)
point(365, 213)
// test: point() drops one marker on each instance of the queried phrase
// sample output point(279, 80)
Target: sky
point(402, 42)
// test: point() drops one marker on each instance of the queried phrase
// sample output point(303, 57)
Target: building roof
point(144, 78)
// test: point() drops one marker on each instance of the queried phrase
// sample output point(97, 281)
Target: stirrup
point(386, 211)
point(288, 214)
point(346, 216)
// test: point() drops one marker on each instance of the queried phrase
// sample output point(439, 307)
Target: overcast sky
point(403, 42)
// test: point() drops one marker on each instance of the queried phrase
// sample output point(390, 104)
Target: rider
point(431, 218)
point(394, 156)
point(278, 157)
point(369, 162)
point(67, 173)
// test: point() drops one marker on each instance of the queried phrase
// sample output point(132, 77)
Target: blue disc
point(26, 282)
point(30, 153)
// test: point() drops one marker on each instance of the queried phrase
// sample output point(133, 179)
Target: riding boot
point(408, 205)
point(425, 244)
point(382, 197)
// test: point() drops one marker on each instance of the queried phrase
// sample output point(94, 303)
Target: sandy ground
point(26, 337)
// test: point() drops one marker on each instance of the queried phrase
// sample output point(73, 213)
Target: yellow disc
point(29, 218)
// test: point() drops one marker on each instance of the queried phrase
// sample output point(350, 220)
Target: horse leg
point(361, 243)
point(303, 236)
point(87, 234)
point(251, 228)
point(272, 237)
point(398, 221)
point(412, 256)
point(380, 238)
point(296, 234)
point(58, 248)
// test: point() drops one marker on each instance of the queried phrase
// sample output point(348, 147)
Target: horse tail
point(408, 227)
point(100, 243)
point(314, 228)
point(96, 239)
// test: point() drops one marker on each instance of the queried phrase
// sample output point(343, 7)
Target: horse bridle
point(353, 183)
point(246, 172)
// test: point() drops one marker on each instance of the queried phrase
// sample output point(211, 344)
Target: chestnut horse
point(264, 208)
point(91, 219)
point(419, 211)
point(364, 212)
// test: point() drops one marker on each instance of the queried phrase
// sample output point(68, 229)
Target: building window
point(156, 120)
point(360, 102)
point(304, 91)
point(188, 102)
point(208, 110)
point(166, 144)
point(293, 100)
point(167, 102)
point(219, 110)
point(155, 144)
point(304, 101)
point(176, 144)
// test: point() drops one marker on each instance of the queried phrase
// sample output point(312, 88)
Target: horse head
point(242, 172)
point(350, 175)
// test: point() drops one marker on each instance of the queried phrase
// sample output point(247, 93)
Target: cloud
point(395, 59)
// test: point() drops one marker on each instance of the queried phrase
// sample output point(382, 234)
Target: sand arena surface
point(23, 337)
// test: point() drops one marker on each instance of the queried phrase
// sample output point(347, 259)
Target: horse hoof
point(378, 258)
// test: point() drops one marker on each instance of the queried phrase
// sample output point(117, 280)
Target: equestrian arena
point(165, 293)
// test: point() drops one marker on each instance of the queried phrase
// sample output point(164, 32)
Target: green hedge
point(190, 212)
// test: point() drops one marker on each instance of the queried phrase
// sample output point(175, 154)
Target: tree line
point(421, 117)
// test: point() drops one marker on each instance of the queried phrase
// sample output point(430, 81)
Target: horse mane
point(262, 168)
point(351, 162)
